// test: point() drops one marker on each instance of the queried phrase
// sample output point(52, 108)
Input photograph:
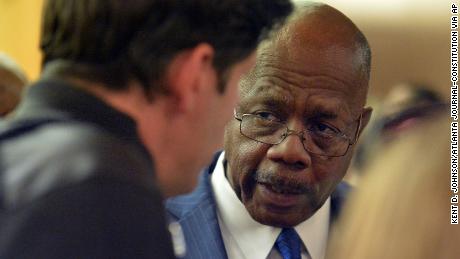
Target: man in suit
point(124, 83)
point(275, 189)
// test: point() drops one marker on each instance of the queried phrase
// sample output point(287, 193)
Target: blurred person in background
point(125, 84)
point(401, 208)
point(404, 108)
point(406, 105)
point(12, 82)
point(277, 186)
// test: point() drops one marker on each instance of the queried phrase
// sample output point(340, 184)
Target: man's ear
point(366, 116)
point(187, 73)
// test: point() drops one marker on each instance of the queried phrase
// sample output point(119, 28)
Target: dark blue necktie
point(288, 244)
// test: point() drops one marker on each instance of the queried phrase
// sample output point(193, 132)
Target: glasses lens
point(262, 130)
point(326, 145)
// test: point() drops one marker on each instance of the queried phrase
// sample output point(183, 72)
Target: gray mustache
point(281, 184)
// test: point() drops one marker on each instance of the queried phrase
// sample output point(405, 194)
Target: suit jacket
point(197, 214)
point(75, 181)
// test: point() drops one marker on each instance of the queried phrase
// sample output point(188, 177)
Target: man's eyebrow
point(273, 102)
point(268, 99)
point(322, 113)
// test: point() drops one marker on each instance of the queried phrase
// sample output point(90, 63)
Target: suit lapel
point(196, 213)
point(338, 198)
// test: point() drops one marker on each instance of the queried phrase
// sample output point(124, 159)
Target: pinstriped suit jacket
point(197, 214)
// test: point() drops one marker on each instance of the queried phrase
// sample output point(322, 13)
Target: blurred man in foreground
point(124, 83)
point(271, 193)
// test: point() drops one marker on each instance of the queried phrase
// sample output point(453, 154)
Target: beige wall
point(410, 40)
point(19, 32)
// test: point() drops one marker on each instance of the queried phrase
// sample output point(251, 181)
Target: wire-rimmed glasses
point(330, 143)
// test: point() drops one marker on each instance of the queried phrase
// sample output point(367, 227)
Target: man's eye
point(267, 116)
point(323, 128)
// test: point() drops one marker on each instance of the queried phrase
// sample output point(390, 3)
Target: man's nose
point(291, 152)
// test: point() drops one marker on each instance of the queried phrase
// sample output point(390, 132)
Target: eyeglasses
point(317, 139)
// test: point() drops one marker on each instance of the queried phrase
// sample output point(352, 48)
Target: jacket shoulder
point(60, 154)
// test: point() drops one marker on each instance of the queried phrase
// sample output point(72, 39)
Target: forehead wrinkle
point(310, 84)
point(355, 91)
point(269, 90)
point(272, 65)
point(269, 80)
point(268, 93)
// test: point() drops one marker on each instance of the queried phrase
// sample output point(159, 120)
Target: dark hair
point(114, 41)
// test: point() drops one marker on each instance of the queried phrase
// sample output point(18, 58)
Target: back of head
point(401, 209)
point(114, 42)
point(406, 106)
point(12, 81)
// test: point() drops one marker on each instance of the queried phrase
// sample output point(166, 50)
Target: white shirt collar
point(246, 238)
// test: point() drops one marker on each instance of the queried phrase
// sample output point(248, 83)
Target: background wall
point(409, 38)
point(19, 32)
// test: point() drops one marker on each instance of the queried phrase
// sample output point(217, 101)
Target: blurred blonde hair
point(402, 207)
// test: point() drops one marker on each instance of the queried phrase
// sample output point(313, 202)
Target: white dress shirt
point(245, 238)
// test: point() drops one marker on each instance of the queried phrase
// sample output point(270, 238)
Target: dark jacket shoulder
point(70, 190)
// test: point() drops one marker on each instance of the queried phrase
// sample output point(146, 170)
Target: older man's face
point(315, 90)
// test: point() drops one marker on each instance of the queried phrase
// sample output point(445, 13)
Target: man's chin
point(277, 218)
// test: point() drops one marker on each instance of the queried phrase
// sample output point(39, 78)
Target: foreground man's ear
point(189, 73)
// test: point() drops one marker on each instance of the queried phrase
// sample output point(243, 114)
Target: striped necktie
point(288, 244)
